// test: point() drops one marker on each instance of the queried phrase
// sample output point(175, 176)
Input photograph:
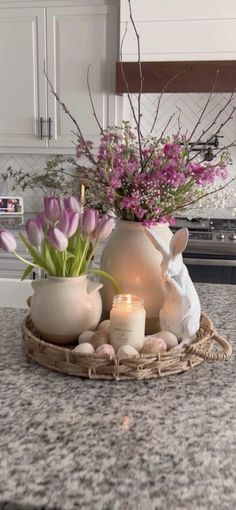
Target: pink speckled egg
point(154, 345)
point(105, 351)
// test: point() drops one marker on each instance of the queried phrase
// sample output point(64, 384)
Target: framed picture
point(11, 205)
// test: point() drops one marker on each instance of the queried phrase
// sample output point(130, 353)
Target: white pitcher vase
point(132, 260)
point(61, 308)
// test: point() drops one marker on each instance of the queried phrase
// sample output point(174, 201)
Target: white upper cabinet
point(22, 95)
point(64, 39)
point(177, 30)
point(77, 38)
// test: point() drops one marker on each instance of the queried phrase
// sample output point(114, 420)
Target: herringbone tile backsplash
point(31, 163)
point(187, 107)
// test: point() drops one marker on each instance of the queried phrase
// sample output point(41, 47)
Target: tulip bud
point(7, 241)
point(57, 239)
point(42, 221)
point(68, 223)
point(64, 222)
point(89, 221)
point(52, 208)
point(104, 228)
point(72, 204)
point(34, 232)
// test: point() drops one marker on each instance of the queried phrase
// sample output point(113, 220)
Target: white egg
point(84, 348)
point(104, 326)
point(85, 337)
point(170, 339)
point(126, 350)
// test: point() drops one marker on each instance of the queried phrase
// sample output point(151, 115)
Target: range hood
point(184, 76)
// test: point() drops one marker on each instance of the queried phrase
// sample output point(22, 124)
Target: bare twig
point(161, 94)
point(79, 133)
point(165, 127)
point(92, 103)
point(230, 116)
point(178, 120)
point(214, 122)
point(125, 80)
point(205, 107)
point(226, 147)
point(141, 78)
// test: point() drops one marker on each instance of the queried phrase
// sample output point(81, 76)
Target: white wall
point(180, 29)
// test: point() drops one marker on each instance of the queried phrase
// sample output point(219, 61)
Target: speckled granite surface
point(68, 443)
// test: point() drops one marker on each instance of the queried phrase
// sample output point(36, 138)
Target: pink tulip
point(104, 228)
point(34, 232)
point(52, 208)
point(68, 223)
point(42, 221)
point(57, 239)
point(72, 204)
point(7, 241)
point(89, 221)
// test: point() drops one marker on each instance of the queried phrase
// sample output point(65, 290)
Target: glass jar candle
point(127, 321)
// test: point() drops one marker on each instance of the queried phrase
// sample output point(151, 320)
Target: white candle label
point(127, 327)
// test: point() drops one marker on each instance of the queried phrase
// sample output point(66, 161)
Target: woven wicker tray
point(209, 346)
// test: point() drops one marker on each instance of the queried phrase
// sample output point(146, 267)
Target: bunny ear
point(157, 242)
point(179, 242)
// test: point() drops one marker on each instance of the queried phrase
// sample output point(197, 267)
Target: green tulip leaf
point(108, 276)
point(26, 272)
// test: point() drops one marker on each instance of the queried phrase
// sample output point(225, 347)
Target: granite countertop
point(69, 443)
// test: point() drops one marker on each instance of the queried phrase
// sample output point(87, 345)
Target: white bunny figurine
point(181, 309)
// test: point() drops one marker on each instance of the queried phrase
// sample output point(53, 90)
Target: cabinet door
point(22, 84)
point(77, 38)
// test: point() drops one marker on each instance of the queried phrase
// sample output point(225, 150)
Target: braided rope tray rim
point(177, 360)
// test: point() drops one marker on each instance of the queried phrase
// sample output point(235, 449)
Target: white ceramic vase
point(62, 308)
point(130, 257)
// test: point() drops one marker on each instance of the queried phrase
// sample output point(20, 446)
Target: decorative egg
point(105, 351)
point(85, 337)
point(104, 326)
point(169, 338)
point(84, 348)
point(154, 345)
point(99, 338)
point(126, 350)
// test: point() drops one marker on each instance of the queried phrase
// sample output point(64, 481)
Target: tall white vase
point(132, 260)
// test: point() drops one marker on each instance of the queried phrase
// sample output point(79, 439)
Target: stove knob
point(220, 235)
point(232, 236)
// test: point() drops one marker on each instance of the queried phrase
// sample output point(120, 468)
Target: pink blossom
point(171, 150)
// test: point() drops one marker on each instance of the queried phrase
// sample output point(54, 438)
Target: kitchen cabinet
point(64, 38)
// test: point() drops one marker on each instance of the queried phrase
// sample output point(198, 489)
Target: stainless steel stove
point(211, 251)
